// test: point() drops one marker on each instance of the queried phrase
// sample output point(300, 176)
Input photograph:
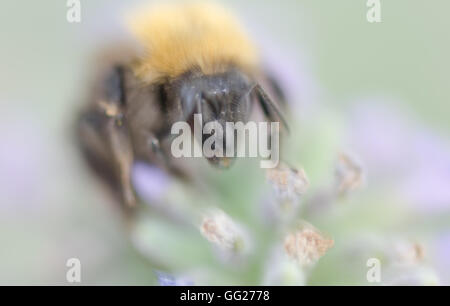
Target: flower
point(288, 183)
point(166, 279)
point(349, 174)
point(150, 182)
point(306, 246)
point(220, 230)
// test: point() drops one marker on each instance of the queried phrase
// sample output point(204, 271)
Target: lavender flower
point(306, 245)
point(219, 229)
point(150, 182)
point(349, 174)
point(166, 279)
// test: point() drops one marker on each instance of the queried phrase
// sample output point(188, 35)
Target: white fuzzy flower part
point(306, 246)
point(349, 173)
point(408, 253)
point(287, 182)
point(220, 230)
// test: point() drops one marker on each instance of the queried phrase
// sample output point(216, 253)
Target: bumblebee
point(190, 59)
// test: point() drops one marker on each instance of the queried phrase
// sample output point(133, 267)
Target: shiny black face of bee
point(218, 98)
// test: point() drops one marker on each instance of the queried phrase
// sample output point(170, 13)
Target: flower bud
point(306, 246)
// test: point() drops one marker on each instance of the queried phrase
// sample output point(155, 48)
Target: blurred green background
point(395, 72)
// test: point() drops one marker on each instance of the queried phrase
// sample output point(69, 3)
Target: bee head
point(219, 99)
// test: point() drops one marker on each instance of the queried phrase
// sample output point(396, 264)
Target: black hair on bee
point(196, 59)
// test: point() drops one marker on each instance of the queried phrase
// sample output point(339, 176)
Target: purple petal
point(150, 182)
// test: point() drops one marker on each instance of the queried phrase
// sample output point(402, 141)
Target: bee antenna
point(269, 107)
point(250, 90)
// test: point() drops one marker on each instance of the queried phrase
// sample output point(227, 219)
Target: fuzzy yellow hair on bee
point(180, 37)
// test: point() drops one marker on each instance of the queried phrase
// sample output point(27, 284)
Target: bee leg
point(105, 140)
point(94, 147)
point(107, 149)
point(270, 109)
point(122, 152)
point(277, 90)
